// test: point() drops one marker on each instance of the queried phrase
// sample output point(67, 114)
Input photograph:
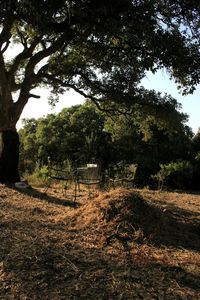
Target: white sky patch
point(37, 108)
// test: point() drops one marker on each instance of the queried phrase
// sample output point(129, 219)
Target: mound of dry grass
point(130, 216)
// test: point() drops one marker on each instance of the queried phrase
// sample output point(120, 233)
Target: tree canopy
point(101, 49)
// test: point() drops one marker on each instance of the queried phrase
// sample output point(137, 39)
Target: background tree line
point(158, 140)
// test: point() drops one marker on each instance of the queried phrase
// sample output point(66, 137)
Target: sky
point(37, 108)
point(160, 82)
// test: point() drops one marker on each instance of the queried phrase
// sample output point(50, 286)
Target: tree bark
point(9, 156)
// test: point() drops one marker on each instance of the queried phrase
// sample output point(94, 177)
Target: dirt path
point(116, 245)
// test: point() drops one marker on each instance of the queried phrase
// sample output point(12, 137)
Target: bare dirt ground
point(121, 244)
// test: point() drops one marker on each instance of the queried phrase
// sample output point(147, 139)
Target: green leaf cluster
point(83, 134)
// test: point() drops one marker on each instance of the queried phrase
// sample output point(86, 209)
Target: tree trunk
point(9, 156)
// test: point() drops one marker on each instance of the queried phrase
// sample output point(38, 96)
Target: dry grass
point(122, 244)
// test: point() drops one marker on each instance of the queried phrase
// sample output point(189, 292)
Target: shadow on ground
point(60, 267)
point(46, 256)
point(35, 193)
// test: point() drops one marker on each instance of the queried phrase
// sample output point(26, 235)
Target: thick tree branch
point(34, 96)
point(22, 38)
point(55, 46)
point(30, 77)
point(25, 54)
point(5, 34)
point(5, 47)
point(3, 77)
point(96, 100)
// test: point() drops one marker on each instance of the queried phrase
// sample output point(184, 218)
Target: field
point(119, 244)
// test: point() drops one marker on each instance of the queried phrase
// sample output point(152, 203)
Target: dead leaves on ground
point(117, 245)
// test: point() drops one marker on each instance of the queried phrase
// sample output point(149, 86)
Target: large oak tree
point(99, 48)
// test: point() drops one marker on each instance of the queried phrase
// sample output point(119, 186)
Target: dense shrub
point(178, 174)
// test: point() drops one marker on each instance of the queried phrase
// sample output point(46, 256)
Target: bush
point(177, 174)
point(39, 178)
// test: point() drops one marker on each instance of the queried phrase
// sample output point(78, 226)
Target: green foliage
point(196, 142)
point(82, 134)
point(39, 177)
point(28, 146)
point(104, 56)
point(42, 172)
point(150, 134)
point(177, 174)
point(75, 133)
